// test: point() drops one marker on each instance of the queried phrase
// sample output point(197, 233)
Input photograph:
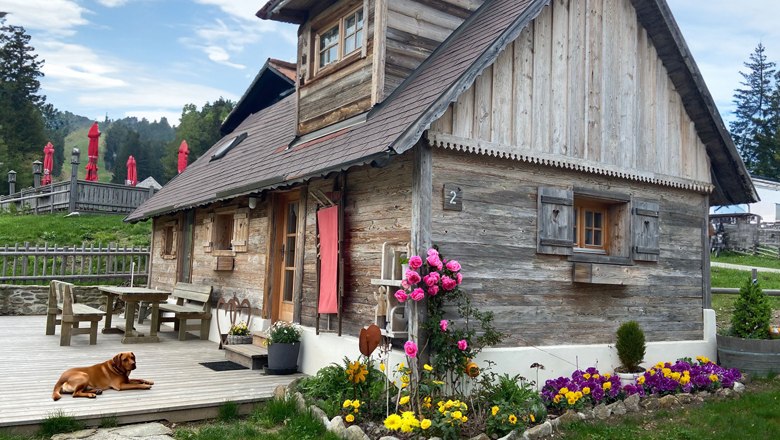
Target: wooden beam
point(594, 273)
point(422, 195)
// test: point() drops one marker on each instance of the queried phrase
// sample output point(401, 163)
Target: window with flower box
point(226, 231)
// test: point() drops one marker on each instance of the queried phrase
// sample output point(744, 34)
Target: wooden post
point(422, 194)
point(37, 167)
point(754, 275)
point(74, 176)
point(706, 282)
point(11, 182)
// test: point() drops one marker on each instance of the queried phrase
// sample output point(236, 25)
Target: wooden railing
point(26, 264)
point(85, 197)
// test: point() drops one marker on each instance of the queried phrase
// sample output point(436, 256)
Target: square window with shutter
point(169, 240)
point(596, 226)
point(226, 231)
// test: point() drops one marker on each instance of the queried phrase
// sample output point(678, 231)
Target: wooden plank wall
point(583, 82)
point(532, 295)
point(378, 209)
point(247, 278)
point(341, 90)
point(414, 29)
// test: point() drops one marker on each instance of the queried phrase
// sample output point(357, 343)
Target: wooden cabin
point(565, 152)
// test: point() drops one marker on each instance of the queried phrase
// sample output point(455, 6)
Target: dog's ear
point(117, 360)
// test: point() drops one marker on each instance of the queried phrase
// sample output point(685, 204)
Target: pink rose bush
point(442, 275)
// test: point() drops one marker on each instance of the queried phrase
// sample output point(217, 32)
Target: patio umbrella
point(92, 152)
point(48, 163)
point(184, 151)
point(132, 174)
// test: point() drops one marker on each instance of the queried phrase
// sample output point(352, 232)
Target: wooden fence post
point(74, 178)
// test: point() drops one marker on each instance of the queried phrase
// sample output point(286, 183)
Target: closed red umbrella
point(48, 163)
point(92, 152)
point(132, 174)
point(184, 151)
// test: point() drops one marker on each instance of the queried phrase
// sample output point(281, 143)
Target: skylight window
point(227, 145)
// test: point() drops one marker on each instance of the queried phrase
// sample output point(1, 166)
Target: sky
point(148, 58)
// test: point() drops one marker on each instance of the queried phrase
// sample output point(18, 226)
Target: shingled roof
point(265, 161)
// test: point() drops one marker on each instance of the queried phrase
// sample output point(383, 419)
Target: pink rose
point(433, 251)
point(459, 278)
point(401, 296)
point(434, 261)
point(432, 279)
point(433, 290)
point(418, 294)
point(463, 345)
point(410, 348)
point(404, 284)
point(448, 283)
point(415, 262)
point(443, 325)
point(412, 277)
point(453, 265)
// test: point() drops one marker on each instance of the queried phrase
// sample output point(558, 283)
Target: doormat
point(223, 366)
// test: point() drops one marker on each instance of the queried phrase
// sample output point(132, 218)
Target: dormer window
point(340, 39)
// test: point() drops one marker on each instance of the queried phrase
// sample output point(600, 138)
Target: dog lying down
point(91, 381)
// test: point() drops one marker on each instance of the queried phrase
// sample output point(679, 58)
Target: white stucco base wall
point(318, 351)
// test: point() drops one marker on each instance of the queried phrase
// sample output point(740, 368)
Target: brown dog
point(91, 381)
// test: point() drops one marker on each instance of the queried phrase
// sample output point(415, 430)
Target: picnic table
point(132, 296)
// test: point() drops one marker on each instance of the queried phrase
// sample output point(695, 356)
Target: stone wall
point(32, 300)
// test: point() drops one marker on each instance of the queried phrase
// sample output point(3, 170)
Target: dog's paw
point(149, 382)
point(98, 392)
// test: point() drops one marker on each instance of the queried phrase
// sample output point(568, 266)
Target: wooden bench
point(192, 302)
point(63, 303)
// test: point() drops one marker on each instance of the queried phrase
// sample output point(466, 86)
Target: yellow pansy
point(427, 367)
point(347, 404)
point(457, 414)
point(425, 424)
point(640, 380)
point(586, 390)
point(571, 401)
point(607, 376)
point(586, 376)
point(713, 377)
point(512, 419)
point(557, 398)
point(494, 410)
point(356, 404)
point(595, 376)
point(563, 391)
point(606, 385)
point(349, 418)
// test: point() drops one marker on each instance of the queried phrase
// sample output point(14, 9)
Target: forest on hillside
point(28, 122)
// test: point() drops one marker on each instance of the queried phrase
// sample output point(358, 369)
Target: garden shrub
point(514, 403)
point(752, 312)
point(630, 346)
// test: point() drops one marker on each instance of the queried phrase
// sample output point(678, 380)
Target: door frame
point(276, 236)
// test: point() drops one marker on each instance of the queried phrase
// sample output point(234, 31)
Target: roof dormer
point(353, 53)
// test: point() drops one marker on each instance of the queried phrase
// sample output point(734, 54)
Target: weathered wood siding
point(532, 295)
point(414, 29)
point(378, 209)
point(343, 89)
point(246, 280)
point(582, 85)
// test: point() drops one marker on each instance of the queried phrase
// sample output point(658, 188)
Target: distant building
point(149, 182)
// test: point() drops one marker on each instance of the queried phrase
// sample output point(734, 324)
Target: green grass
point(58, 423)
point(753, 416)
point(721, 277)
point(747, 260)
point(274, 420)
point(61, 230)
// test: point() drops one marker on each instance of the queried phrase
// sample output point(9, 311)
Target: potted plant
point(284, 344)
point(239, 334)
point(631, 349)
point(748, 346)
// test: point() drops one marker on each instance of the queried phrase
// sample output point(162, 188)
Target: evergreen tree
point(21, 121)
point(753, 131)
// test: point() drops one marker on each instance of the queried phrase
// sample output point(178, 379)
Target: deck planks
point(31, 363)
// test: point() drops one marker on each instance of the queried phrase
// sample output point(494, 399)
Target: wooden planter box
point(754, 356)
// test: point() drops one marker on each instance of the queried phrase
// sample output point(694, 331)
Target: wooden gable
point(582, 87)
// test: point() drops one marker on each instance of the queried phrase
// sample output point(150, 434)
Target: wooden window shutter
point(208, 233)
point(555, 223)
point(240, 230)
point(645, 230)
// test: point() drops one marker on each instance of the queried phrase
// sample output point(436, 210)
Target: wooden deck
point(31, 363)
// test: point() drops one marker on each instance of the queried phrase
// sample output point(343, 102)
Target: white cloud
point(219, 55)
point(241, 9)
point(58, 17)
point(71, 66)
point(112, 3)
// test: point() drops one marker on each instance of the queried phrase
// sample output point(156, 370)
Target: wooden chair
point(63, 304)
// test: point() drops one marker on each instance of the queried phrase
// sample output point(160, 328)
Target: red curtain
point(328, 225)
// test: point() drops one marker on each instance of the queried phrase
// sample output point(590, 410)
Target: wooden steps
point(254, 355)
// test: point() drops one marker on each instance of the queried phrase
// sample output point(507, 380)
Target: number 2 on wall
point(453, 197)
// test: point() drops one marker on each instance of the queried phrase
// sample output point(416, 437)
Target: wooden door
point(185, 253)
point(284, 264)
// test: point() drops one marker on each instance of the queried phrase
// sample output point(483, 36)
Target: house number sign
point(453, 197)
